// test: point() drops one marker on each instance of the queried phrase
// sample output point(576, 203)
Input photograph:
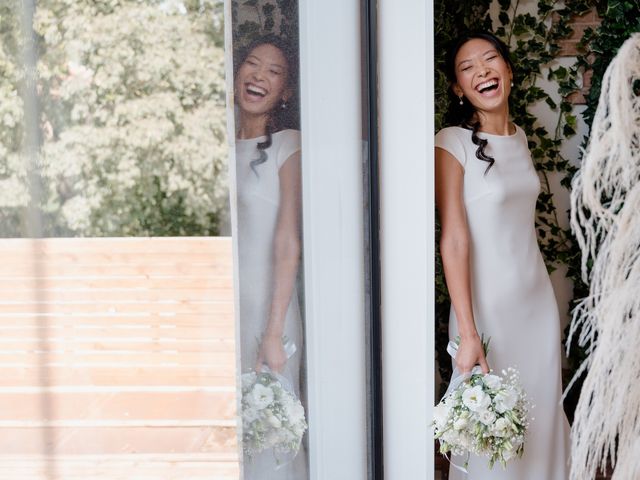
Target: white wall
point(570, 150)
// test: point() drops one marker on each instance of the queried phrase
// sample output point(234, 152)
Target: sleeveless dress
point(258, 195)
point(512, 296)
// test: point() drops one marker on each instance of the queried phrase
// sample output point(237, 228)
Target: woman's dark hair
point(279, 118)
point(465, 115)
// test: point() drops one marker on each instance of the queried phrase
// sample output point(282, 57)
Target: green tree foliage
point(133, 119)
point(13, 192)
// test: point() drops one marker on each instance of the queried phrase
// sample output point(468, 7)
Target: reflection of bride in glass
point(269, 224)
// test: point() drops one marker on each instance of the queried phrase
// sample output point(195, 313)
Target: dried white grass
point(605, 217)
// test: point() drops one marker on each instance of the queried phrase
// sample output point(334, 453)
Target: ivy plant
point(266, 17)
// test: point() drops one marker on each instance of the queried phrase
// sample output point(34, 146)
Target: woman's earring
point(461, 102)
point(283, 105)
point(512, 83)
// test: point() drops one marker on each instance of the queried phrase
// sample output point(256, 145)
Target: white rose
point(274, 421)
point(487, 417)
point(506, 400)
point(451, 437)
point(460, 423)
point(260, 396)
point(249, 414)
point(475, 399)
point(441, 414)
point(295, 413)
point(492, 381)
point(501, 427)
point(465, 441)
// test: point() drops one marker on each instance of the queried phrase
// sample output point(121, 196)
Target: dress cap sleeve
point(449, 139)
point(289, 144)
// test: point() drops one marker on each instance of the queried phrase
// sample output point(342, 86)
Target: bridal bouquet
point(486, 415)
point(272, 416)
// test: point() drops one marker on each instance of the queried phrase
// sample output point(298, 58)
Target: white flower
point(249, 414)
point(487, 417)
point(492, 381)
point(273, 420)
point(441, 414)
point(248, 379)
point(295, 413)
point(260, 396)
point(451, 437)
point(475, 399)
point(460, 423)
point(465, 440)
point(506, 400)
point(501, 427)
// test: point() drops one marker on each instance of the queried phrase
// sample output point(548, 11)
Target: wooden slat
point(115, 345)
point(118, 270)
point(124, 375)
point(11, 283)
point(9, 296)
point(174, 246)
point(91, 332)
point(167, 319)
point(122, 307)
point(119, 467)
point(112, 440)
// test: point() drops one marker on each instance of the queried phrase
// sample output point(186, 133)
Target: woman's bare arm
point(454, 248)
point(286, 257)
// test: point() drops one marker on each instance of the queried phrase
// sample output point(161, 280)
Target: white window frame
point(406, 40)
point(332, 148)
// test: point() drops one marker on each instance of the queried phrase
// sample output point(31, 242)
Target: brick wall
point(569, 48)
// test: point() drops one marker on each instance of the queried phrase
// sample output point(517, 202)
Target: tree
point(134, 129)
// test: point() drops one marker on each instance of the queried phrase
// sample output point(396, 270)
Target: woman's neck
point(251, 126)
point(496, 123)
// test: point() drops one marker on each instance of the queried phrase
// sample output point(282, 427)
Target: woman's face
point(261, 81)
point(482, 75)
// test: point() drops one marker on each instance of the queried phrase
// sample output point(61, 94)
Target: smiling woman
point(269, 245)
point(486, 191)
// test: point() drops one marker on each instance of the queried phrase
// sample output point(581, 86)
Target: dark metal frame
point(372, 240)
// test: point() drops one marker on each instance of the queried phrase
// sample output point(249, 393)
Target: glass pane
point(269, 238)
point(116, 327)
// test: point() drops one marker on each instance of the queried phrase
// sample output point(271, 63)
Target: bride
point(269, 226)
point(486, 191)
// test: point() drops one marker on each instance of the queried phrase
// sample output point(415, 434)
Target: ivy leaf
point(566, 107)
point(551, 103)
point(503, 17)
point(568, 131)
point(571, 120)
point(519, 29)
point(560, 73)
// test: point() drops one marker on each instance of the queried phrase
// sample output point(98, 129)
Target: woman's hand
point(272, 354)
point(471, 353)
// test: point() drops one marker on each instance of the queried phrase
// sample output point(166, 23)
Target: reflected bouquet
point(272, 415)
point(483, 414)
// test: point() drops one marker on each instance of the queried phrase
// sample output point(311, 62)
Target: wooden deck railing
point(117, 359)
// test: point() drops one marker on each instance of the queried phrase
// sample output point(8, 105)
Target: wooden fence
point(117, 359)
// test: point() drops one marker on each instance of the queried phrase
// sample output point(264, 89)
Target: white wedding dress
point(258, 194)
point(513, 300)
